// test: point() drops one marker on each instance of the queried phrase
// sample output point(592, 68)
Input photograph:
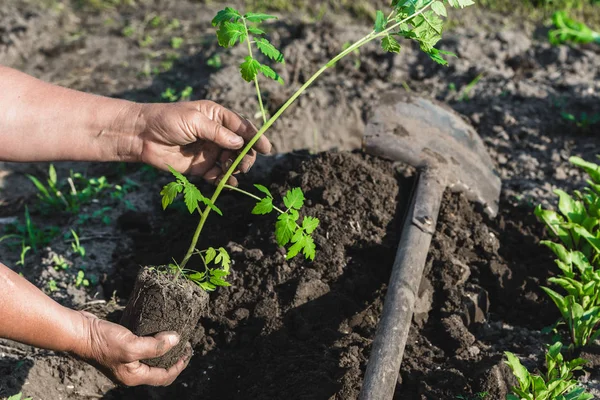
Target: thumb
point(142, 348)
point(213, 131)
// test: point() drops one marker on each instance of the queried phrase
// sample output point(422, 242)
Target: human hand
point(117, 352)
point(200, 138)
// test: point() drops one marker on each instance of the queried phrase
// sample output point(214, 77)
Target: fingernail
point(173, 340)
point(236, 141)
point(228, 163)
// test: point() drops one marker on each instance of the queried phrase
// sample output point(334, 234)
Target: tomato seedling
point(419, 20)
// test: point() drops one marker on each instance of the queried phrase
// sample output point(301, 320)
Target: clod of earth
point(162, 304)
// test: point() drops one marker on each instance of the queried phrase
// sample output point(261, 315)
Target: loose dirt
point(297, 329)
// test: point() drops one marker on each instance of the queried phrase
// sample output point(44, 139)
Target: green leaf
point(593, 170)
point(39, 186)
point(254, 17)
point(269, 73)
point(285, 227)
point(230, 33)
point(228, 14)
point(437, 55)
point(269, 50)
point(380, 22)
point(249, 69)
point(169, 193)
point(178, 175)
point(390, 44)
point(309, 224)
point(518, 369)
point(191, 196)
point(591, 239)
point(255, 31)
point(223, 259)
point(211, 253)
point(52, 175)
point(309, 248)
point(264, 206)
point(439, 8)
point(461, 3)
point(206, 201)
point(555, 223)
point(294, 198)
point(570, 208)
point(264, 189)
point(296, 247)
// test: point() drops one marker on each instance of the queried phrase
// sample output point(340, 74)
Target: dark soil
point(297, 329)
point(159, 303)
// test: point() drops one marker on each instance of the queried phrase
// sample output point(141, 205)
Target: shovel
point(448, 154)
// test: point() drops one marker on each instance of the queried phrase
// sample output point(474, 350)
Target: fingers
point(137, 373)
point(213, 131)
point(235, 123)
point(142, 348)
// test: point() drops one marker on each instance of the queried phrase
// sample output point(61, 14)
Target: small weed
point(477, 396)
point(76, 245)
point(214, 61)
point(81, 280)
point(24, 250)
point(60, 263)
point(18, 396)
point(172, 96)
point(52, 286)
point(568, 30)
point(466, 92)
point(177, 42)
point(28, 235)
point(584, 121)
point(557, 384)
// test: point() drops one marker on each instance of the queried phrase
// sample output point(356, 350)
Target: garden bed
point(297, 329)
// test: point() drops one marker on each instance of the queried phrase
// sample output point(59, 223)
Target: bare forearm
point(44, 122)
point(29, 316)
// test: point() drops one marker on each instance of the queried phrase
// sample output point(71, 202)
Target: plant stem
point(235, 189)
point(370, 37)
point(258, 94)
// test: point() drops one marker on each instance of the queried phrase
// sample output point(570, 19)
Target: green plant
point(28, 235)
point(52, 286)
point(465, 95)
point(59, 262)
point(577, 226)
point(81, 280)
point(171, 95)
point(477, 396)
point(572, 31)
point(24, 250)
point(177, 42)
point(215, 61)
point(18, 396)
point(419, 20)
point(67, 196)
point(583, 122)
point(76, 245)
point(556, 384)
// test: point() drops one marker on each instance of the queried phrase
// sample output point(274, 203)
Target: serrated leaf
point(264, 206)
point(309, 224)
point(269, 73)
point(227, 14)
point(437, 55)
point(255, 31)
point(206, 201)
point(461, 3)
point(380, 22)
point(230, 33)
point(178, 175)
point(294, 199)
point(223, 259)
point(211, 253)
point(169, 193)
point(191, 197)
point(263, 189)
point(209, 287)
point(390, 44)
point(309, 250)
point(285, 227)
point(249, 69)
point(257, 17)
point(439, 8)
point(269, 50)
point(295, 249)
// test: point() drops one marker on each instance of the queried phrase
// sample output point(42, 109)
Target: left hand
point(200, 138)
point(117, 352)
